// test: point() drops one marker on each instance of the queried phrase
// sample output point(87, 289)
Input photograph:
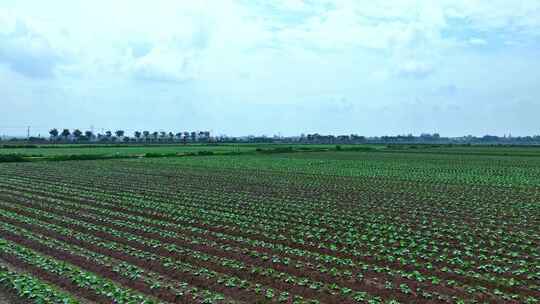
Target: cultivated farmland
point(432, 226)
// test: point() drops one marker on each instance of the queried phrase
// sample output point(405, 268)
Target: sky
point(250, 67)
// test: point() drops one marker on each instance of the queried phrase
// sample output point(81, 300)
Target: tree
point(108, 134)
point(77, 134)
point(89, 135)
point(137, 135)
point(65, 133)
point(119, 133)
point(171, 136)
point(155, 135)
point(53, 133)
point(146, 134)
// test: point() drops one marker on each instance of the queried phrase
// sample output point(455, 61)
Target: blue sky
point(265, 67)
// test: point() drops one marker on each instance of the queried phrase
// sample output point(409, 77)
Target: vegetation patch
point(277, 228)
point(11, 158)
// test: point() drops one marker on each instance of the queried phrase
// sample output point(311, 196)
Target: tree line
point(77, 135)
point(120, 136)
point(424, 138)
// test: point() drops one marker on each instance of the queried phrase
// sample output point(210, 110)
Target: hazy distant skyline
point(456, 67)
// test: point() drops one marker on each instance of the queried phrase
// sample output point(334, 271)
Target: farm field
point(109, 150)
point(47, 150)
point(101, 151)
point(444, 225)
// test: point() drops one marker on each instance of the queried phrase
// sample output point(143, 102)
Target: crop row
point(175, 237)
point(494, 259)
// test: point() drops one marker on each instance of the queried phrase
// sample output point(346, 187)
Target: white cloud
point(27, 51)
point(415, 69)
point(477, 41)
point(294, 5)
point(318, 54)
point(402, 29)
point(164, 64)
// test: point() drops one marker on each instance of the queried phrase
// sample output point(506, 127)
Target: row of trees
point(424, 138)
point(331, 139)
point(414, 139)
point(120, 136)
point(77, 135)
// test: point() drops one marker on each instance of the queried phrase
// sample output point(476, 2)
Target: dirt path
point(8, 298)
